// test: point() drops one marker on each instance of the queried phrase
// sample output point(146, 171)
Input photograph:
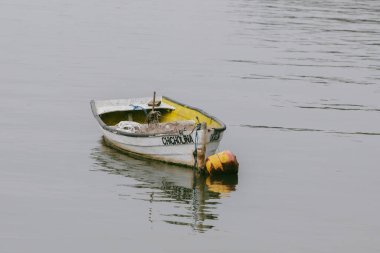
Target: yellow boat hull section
point(183, 112)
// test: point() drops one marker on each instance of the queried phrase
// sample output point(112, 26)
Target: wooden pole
point(201, 150)
point(154, 100)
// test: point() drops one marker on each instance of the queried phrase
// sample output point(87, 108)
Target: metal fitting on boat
point(224, 162)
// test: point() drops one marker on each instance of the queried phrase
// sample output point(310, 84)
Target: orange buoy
point(222, 163)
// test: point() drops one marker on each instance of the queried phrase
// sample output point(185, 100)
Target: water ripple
point(340, 108)
point(297, 129)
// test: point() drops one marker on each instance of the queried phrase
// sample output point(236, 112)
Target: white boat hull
point(175, 149)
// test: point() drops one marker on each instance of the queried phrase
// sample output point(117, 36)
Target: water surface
point(296, 82)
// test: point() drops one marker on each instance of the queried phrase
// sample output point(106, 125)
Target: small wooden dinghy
point(161, 129)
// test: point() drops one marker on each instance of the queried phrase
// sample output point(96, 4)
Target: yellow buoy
point(222, 163)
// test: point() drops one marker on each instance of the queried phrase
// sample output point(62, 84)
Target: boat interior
point(172, 116)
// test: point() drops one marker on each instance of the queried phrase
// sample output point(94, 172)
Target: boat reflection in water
point(187, 200)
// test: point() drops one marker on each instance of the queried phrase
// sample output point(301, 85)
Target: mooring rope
point(153, 117)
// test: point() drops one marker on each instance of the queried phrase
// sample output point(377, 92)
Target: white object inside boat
point(174, 127)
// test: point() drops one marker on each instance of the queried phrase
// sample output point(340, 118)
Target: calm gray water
point(296, 82)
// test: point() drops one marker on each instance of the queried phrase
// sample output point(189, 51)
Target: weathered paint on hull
point(152, 147)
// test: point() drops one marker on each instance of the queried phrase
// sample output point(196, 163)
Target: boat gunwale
point(116, 131)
